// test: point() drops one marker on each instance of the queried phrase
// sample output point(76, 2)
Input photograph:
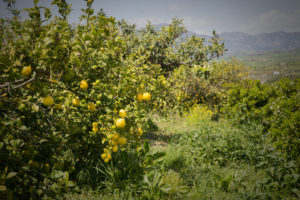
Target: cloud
point(273, 21)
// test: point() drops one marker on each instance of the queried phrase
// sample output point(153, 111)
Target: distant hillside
point(240, 42)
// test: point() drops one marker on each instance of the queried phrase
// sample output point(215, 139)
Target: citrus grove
point(74, 96)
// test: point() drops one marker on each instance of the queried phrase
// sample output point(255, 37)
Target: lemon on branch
point(115, 148)
point(48, 101)
point(122, 113)
point(84, 85)
point(75, 101)
point(139, 97)
point(146, 96)
point(122, 141)
point(92, 107)
point(26, 70)
point(120, 123)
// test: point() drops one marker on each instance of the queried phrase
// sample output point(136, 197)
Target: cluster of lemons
point(114, 140)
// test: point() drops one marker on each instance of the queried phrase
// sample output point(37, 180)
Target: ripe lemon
point(75, 101)
point(26, 70)
point(84, 85)
point(139, 97)
point(108, 156)
point(146, 96)
point(92, 107)
point(115, 148)
point(120, 123)
point(103, 156)
point(122, 141)
point(115, 136)
point(140, 131)
point(95, 129)
point(106, 160)
point(48, 101)
point(122, 113)
point(95, 124)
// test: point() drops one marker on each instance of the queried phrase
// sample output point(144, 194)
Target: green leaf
point(11, 174)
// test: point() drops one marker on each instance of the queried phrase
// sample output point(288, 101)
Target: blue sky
point(200, 16)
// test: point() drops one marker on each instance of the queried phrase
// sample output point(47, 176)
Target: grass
point(206, 159)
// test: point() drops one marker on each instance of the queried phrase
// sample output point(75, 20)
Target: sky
point(199, 16)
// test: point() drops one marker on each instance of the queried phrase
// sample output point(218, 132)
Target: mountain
point(244, 42)
point(238, 41)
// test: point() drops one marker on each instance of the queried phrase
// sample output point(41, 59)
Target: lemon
point(146, 96)
point(75, 101)
point(106, 160)
point(122, 141)
point(92, 107)
point(48, 101)
point(103, 156)
point(115, 148)
point(122, 113)
point(95, 129)
point(140, 131)
point(26, 70)
point(84, 85)
point(108, 156)
point(139, 97)
point(95, 124)
point(120, 123)
point(164, 82)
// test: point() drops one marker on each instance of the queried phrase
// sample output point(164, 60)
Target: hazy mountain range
point(239, 41)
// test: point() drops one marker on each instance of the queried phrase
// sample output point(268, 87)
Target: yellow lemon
point(92, 107)
point(122, 113)
point(146, 96)
point(84, 85)
point(122, 141)
point(108, 156)
point(106, 160)
point(48, 101)
point(103, 156)
point(164, 82)
point(95, 129)
point(26, 70)
point(140, 131)
point(95, 124)
point(115, 148)
point(120, 123)
point(75, 101)
point(139, 97)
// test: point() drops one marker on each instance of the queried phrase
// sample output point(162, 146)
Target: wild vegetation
point(101, 110)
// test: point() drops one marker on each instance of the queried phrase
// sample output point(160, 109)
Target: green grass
point(209, 160)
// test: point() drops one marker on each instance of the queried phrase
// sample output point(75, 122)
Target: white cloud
point(273, 21)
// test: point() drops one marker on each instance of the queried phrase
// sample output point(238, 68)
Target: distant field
point(270, 66)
